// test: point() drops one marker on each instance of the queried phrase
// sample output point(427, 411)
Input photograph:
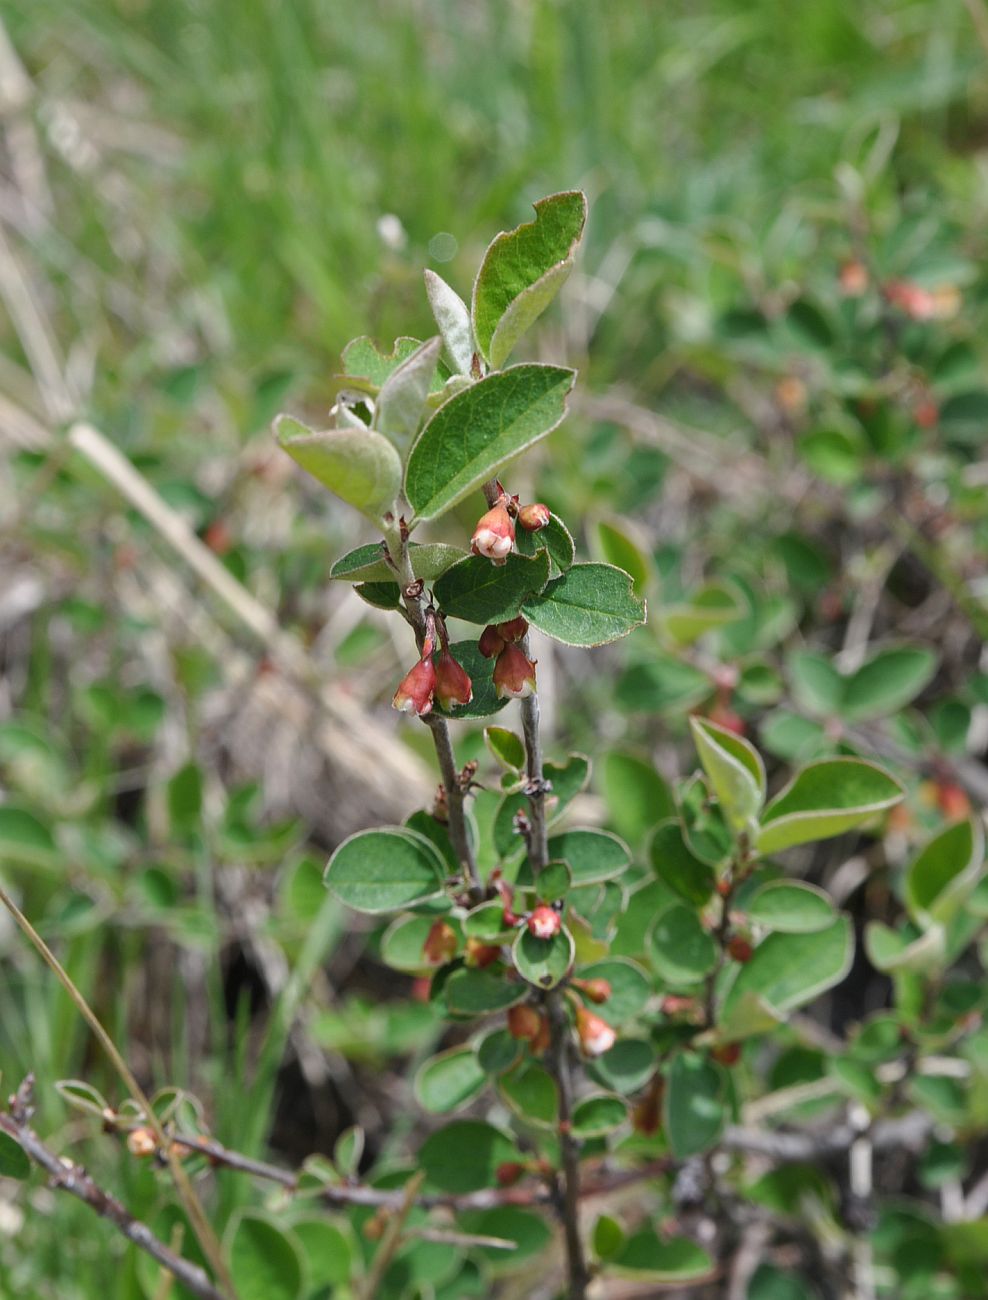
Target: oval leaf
point(788, 970)
point(449, 1080)
point(401, 401)
point(360, 466)
point(385, 870)
point(477, 431)
point(734, 768)
point(523, 270)
point(481, 592)
point(942, 877)
point(589, 605)
point(453, 318)
point(543, 962)
point(264, 1261)
point(464, 1156)
point(681, 950)
point(694, 1104)
point(825, 799)
point(791, 906)
point(367, 563)
point(598, 1115)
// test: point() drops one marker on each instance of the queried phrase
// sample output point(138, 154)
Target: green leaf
point(710, 607)
point(694, 1104)
point(486, 922)
point(554, 881)
point(608, 1237)
point(481, 673)
point(597, 1115)
point(791, 906)
point(264, 1260)
point(530, 1233)
point(630, 989)
point(543, 962)
point(735, 770)
point(588, 605)
point(681, 950)
point(532, 1094)
point(473, 434)
point(479, 992)
point(24, 840)
point(627, 1067)
point(401, 401)
point(522, 271)
point(637, 796)
point(404, 939)
point(453, 318)
point(554, 538)
point(886, 682)
point(592, 855)
point(328, 1251)
point(464, 1156)
point(789, 970)
point(662, 684)
point(619, 548)
point(498, 1051)
point(382, 595)
point(360, 466)
point(13, 1161)
point(816, 684)
point(368, 369)
point(647, 1257)
point(478, 591)
point(942, 877)
point(385, 870)
point(449, 1080)
point(366, 563)
point(770, 1283)
point(348, 1149)
point(680, 869)
point(507, 747)
point(893, 950)
point(826, 799)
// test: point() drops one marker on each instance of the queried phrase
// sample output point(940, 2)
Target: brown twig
point(413, 599)
point(72, 1178)
point(391, 1239)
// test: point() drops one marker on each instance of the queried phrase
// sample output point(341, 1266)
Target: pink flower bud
point(524, 1021)
point(491, 642)
point(453, 684)
point(513, 630)
point(414, 695)
point(494, 535)
point(597, 990)
point(514, 674)
point(596, 1035)
point(544, 922)
point(440, 944)
point(533, 517)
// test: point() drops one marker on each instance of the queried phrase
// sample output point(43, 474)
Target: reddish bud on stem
point(524, 1021)
point(544, 922)
point(596, 1035)
point(533, 517)
point(508, 1173)
point(513, 630)
point(440, 944)
point(454, 688)
point(494, 535)
point(597, 990)
point(478, 955)
point(740, 949)
point(491, 642)
point(414, 695)
point(514, 674)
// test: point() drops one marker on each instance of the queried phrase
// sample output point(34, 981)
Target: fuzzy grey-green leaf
point(522, 271)
point(360, 466)
point(473, 434)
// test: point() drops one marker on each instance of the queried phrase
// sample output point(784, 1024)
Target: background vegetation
point(200, 203)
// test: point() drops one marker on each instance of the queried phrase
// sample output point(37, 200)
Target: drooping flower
point(453, 685)
point(440, 944)
point(597, 990)
point(514, 674)
point(494, 535)
point(596, 1035)
point(513, 630)
point(491, 642)
point(524, 1021)
point(414, 695)
point(533, 517)
point(478, 954)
